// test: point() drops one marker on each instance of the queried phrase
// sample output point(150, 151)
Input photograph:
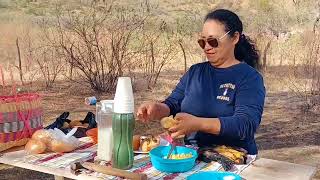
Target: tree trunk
point(316, 22)
point(20, 63)
point(152, 64)
point(264, 57)
point(184, 56)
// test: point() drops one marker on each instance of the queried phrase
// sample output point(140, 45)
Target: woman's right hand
point(152, 110)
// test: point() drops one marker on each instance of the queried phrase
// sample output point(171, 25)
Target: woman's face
point(217, 56)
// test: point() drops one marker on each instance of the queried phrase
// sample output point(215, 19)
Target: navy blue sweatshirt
point(235, 95)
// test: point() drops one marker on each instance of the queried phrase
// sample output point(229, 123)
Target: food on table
point(136, 142)
point(226, 156)
point(63, 142)
point(179, 156)
point(168, 122)
point(208, 155)
point(35, 147)
point(145, 143)
point(149, 144)
point(236, 156)
point(53, 140)
point(93, 134)
point(61, 146)
point(42, 135)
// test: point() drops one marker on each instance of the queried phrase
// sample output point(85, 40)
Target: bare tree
point(160, 49)
point(48, 61)
point(304, 79)
point(96, 43)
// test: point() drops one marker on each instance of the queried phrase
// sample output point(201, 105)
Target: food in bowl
point(179, 156)
point(172, 165)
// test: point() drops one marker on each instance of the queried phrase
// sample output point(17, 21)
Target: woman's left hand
point(187, 124)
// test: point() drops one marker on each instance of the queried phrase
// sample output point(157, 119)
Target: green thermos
point(123, 125)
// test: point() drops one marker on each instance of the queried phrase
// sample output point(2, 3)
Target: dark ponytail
point(245, 49)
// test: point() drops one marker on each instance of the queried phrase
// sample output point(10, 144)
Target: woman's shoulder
point(249, 75)
point(241, 70)
point(248, 70)
point(200, 65)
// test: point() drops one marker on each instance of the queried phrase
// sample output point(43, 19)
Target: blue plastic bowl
point(172, 165)
point(214, 175)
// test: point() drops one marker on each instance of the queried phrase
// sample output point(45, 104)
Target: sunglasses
point(213, 42)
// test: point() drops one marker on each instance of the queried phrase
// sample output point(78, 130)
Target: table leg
point(58, 177)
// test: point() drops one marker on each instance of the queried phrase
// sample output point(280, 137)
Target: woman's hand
point(152, 111)
point(187, 124)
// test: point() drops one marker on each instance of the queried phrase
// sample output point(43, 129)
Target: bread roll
point(42, 135)
point(149, 143)
point(60, 146)
point(168, 122)
point(35, 147)
point(136, 142)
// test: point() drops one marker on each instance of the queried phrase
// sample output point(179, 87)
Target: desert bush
point(159, 50)
point(303, 77)
point(44, 59)
point(169, 45)
point(100, 41)
point(96, 42)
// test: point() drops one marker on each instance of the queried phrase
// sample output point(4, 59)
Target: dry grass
point(285, 134)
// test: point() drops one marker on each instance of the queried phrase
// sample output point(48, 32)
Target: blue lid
point(214, 175)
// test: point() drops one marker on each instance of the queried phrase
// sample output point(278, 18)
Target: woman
point(219, 101)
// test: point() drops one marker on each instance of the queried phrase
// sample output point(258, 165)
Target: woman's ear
point(236, 38)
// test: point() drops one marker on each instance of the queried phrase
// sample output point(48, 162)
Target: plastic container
point(105, 137)
point(123, 123)
point(172, 165)
point(123, 126)
point(214, 175)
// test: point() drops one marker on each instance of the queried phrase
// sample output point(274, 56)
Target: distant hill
point(277, 15)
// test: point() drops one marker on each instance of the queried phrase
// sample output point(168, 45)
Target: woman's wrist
point(163, 110)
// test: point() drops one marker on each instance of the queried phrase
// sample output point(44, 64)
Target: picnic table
point(59, 165)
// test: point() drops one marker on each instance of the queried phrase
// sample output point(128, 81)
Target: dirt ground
point(286, 133)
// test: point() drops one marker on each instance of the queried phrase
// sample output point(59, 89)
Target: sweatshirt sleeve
point(249, 103)
point(175, 98)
